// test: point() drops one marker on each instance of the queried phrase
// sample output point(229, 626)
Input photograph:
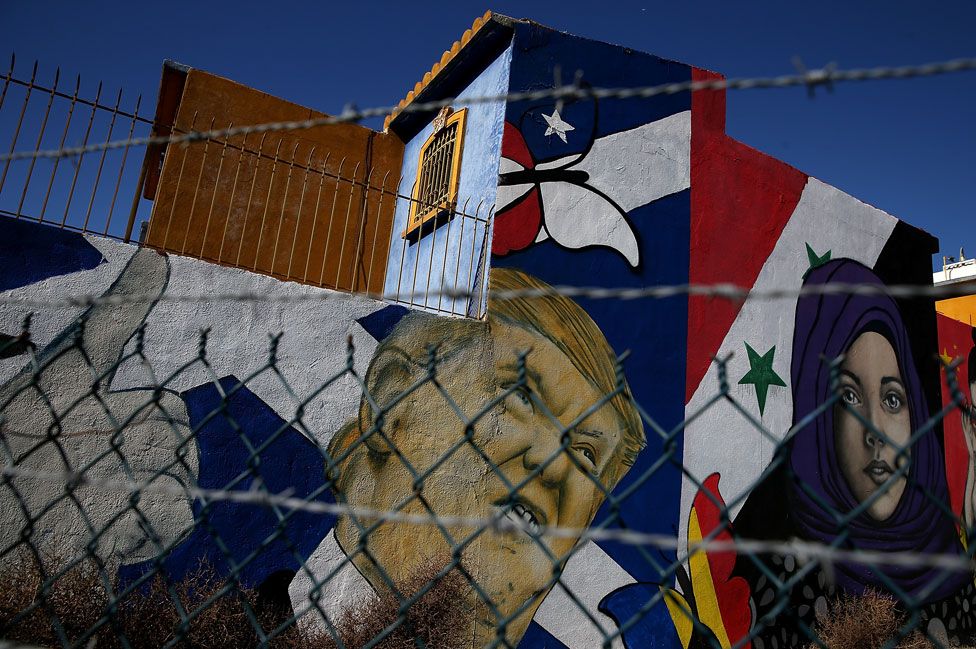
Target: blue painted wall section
point(30, 253)
point(653, 331)
point(457, 251)
point(242, 442)
point(537, 52)
point(647, 627)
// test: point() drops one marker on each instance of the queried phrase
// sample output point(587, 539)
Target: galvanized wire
point(810, 79)
point(727, 291)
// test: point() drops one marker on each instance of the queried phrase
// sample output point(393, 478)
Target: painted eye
point(588, 454)
point(522, 397)
point(850, 397)
point(893, 401)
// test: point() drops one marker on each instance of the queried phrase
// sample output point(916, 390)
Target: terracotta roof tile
point(446, 57)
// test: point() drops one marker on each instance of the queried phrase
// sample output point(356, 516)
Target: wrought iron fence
point(92, 192)
point(288, 208)
point(482, 459)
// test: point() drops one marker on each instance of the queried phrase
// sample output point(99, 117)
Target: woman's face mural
point(865, 469)
point(872, 423)
point(545, 444)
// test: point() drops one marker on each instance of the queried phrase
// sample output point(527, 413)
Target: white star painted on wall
point(557, 125)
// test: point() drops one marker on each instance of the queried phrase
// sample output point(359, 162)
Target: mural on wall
point(837, 467)
point(777, 355)
point(197, 431)
point(732, 215)
point(206, 425)
point(583, 199)
point(614, 193)
point(53, 421)
point(514, 465)
point(596, 193)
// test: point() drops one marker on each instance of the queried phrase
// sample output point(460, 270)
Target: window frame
point(419, 216)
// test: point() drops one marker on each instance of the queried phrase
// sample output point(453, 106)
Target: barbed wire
point(811, 79)
point(719, 290)
point(499, 523)
point(369, 518)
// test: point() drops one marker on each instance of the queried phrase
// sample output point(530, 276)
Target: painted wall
point(452, 257)
point(614, 193)
point(256, 407)
point(597, 193)
point(212, 414)
point(758, 223)
point(644, 192)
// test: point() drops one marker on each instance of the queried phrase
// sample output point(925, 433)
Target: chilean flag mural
point(597, 193)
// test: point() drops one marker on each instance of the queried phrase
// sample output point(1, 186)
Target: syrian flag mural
point(791, 454)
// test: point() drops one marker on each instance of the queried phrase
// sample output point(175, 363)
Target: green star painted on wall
point(761, 374)
point(816, 260)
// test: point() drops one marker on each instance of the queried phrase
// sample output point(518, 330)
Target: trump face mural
point(528, 420)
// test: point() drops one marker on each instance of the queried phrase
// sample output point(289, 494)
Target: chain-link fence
point(380, 476)
point(481, 471)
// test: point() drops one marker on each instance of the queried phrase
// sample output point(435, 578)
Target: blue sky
point(908, 147)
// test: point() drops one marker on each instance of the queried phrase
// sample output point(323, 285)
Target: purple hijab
point(826, 327)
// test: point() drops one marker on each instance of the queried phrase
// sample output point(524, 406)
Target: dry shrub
point(148, 616)
point(77, 598)
point(441, 619)
point(865, 622)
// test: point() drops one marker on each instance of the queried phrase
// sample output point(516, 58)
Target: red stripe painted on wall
point(741, 200)
point(955, 340)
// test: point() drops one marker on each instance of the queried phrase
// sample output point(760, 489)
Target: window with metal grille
point(438, 171)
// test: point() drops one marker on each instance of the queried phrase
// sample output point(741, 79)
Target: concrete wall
point(179, 443)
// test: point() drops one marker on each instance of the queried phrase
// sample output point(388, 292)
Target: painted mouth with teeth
point(523, 515)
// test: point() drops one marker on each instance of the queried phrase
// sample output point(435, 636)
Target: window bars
point(438, 170)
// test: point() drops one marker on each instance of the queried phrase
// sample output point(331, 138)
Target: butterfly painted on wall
point(584, 199)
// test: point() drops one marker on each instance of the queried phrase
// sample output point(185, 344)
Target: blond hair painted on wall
point(555, 317)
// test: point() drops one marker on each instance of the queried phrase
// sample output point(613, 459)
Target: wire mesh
point(482, 458)
point(482, 461)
